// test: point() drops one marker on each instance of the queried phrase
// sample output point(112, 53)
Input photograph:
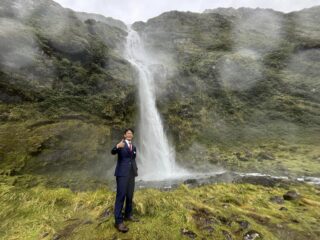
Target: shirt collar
point(128, 141)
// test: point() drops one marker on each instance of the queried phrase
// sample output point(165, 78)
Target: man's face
point(128, 135)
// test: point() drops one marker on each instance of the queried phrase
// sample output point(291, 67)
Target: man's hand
point(120, 144)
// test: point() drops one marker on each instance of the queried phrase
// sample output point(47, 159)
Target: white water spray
point(156, 156)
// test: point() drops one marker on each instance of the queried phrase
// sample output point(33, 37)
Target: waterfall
point(155, 155)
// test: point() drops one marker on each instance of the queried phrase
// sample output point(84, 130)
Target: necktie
point(130, 146)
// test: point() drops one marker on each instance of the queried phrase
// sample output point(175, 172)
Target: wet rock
point(283, 209)
point(265, 156)
point(191, 181)
point(188, 233)
point(277, 199)
point(252, 235)
point(291, 195)
point(266, 181)
point(243, 224)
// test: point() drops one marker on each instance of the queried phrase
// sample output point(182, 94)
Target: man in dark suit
point(125, 172)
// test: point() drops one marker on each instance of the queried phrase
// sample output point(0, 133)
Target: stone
point(190, 181)
point(283, 209)
point(243, 224)
point(277, 199)
point(266, 181)
point(252, 235)
point(291, 195)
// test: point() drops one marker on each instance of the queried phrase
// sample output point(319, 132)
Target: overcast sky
point(130, 11)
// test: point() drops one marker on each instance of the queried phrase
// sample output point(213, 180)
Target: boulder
point(291, 195)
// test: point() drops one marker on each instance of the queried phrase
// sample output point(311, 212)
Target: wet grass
point(215, 211)
point(271, 157)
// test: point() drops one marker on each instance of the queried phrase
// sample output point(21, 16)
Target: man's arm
point(114, 150)
point(117, 147)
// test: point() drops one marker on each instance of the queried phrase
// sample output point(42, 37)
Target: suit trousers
point(125, 189)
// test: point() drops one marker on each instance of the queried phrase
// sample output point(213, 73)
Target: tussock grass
point(208, 212)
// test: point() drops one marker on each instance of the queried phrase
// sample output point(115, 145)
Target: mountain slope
point(64, 85)
point(235, 88)
point(238, 79)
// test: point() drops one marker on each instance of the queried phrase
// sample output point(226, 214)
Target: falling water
point(156, 158)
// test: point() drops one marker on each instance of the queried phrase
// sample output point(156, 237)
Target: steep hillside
point(63, 87)
point(236, 88)
point(246, 80)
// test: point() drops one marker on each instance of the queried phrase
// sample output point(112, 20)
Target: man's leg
point(122, 183)
point(129, 194)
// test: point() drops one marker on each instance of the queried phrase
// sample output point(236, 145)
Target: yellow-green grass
point(294, 159)
point(207, 211)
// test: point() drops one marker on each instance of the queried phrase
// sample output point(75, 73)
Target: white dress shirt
point(128, 142)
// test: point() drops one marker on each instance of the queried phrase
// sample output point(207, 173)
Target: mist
point(182, 69)
point(142, 10)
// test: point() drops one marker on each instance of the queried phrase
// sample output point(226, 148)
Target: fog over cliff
point(236, 89)
point(142, 10)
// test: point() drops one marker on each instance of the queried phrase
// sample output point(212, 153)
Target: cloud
point(259, 31)
point(18, 46)
point(130, 11)
point(240, 71)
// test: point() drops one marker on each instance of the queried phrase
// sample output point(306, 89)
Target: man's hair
point(128, 129)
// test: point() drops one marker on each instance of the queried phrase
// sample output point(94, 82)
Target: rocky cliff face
point(235, 87)
point(64, 85)
point(237, 77)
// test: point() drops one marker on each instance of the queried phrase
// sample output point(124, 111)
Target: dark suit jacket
point(126, 160)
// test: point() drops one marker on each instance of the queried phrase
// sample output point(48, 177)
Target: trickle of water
point(155, 156)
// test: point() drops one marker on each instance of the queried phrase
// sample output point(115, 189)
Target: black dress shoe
point(121, 227)
point(131, 218)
